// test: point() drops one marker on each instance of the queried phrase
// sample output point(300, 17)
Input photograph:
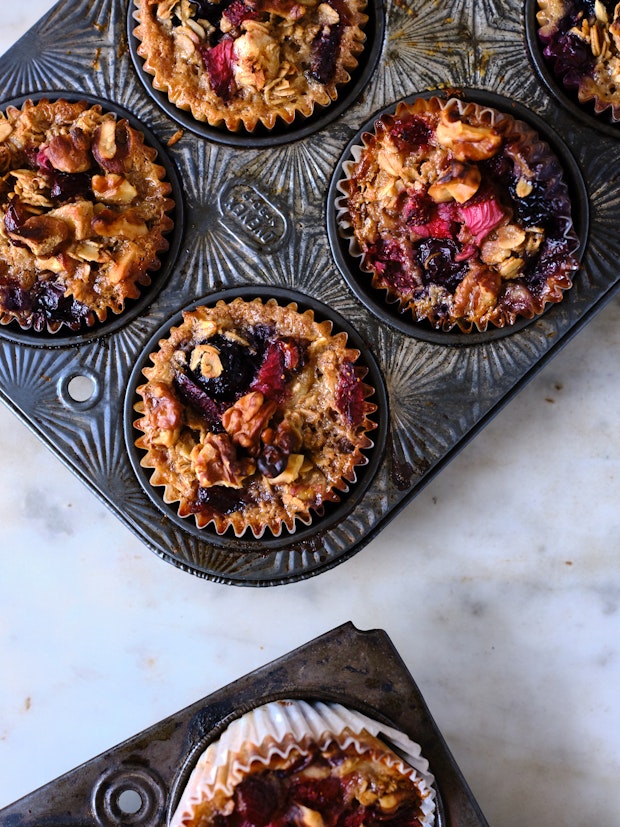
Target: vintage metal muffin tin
point(257, 212)
point(361, 670)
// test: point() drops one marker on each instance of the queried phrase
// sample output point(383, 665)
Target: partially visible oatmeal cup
point(301, 764)
point(581, 42)
point(240, 63)
point(254, 415)
point(460, 214)
point(84, 213)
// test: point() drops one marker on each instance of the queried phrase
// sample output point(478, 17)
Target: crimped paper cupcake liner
point(58, 299)
point(539, 157)
point(599, 42)
point(168, 50)
point(251, 498)
point(279, 729)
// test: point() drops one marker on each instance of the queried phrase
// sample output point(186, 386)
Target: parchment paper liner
point(278, 727)
point(240, 520)
point(548, 170)
point(585, 87)
point(159, 243)
point(219, 114)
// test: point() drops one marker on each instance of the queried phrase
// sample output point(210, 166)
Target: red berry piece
point(324, 53)
point(271, 377)
point(350, 395)
point(257, 801)
point(482, 217)
point(410, 132)
point(238, 11)
point(218, 63)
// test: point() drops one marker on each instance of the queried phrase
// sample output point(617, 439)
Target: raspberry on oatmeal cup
point(83, 214)
point(254, 415)
point(581, 42)
point(239, 63)
point(460, 214)
point(309, 765)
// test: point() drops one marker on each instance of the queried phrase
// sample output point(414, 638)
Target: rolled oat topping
point(460, 214)
point(253, 415)
point(241, 62)
point(83, 212)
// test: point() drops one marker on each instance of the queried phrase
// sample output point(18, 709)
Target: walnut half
point(215, 463)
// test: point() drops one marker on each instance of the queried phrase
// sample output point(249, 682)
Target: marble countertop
point(499, 585)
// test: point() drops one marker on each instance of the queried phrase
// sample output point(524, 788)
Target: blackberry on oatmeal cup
point(460, 213)
point(83, 214)
point(239, 63)
point(254, 415)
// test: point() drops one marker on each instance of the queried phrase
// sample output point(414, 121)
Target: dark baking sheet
point(361, 670)
point(440, 393)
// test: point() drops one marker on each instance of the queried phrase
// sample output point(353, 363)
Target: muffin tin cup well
point(12, 332)
point(332, 512)
point(360, 670)
point(566, 97)
point(268, 730)
point(301, 127)
point(360, 281)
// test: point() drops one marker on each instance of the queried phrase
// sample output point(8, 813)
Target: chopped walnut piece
point(614, 27)
point(123, 269)
point(6, 127)
point(127, 224)
point(164, 411)
point(460, 183)
point(215, 462)
point(247, 418)
point(310, 818)
point(70, 153)
point(43, 235)
point(113, 189)
point(328, 16)
point(78, 216)
point(257, 56)
point(104, 143)
point(207, 358)
point(467, 142)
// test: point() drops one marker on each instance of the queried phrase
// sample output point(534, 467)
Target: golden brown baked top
point(253, 415)
point(581, 40)
point(83, 210)
point(461, 215)
point(358, 785)
point(243, 62)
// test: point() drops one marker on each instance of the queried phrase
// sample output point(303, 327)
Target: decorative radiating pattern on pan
point(59, 51)
point(421, 48)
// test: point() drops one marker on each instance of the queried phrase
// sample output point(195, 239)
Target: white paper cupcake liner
point(276, 729)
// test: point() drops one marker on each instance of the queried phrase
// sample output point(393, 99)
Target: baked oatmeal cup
point(240, 63)
point(581, 42)
point(84, 213)
point(308, 765)
point(254, 415)
point(460, 214)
